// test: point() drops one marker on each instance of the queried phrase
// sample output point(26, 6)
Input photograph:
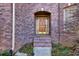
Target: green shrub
point(4, 53)
point(27, 48)
point(0, 54)
point(59, 50)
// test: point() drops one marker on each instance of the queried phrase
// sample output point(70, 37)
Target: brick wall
point(25, 22)
point(5, 26)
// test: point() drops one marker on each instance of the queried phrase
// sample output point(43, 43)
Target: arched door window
point(42, 22)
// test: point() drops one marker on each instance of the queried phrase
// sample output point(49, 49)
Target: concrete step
point(43, 39)
point(42, 51)
point(42, 42)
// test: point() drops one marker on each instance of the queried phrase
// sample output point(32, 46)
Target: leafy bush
point(27, 48)
point(59, 50)
point(5, 53)
point(0, 54)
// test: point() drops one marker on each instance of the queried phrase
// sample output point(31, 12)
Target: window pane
point(69, 16)
point(42, 25)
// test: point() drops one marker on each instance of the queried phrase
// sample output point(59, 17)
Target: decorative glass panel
point(42, 25)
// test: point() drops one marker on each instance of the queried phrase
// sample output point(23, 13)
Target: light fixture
point(69, 4)
point(42, 9)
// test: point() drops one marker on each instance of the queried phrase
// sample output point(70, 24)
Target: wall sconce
point(69, 4)
point(42, 9)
